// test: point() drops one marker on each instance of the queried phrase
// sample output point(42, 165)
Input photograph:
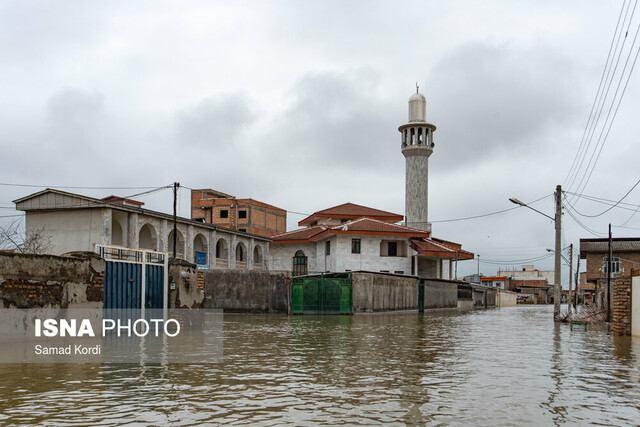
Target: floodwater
point(509, 366)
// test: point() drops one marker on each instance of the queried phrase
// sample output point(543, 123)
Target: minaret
point(417, 146)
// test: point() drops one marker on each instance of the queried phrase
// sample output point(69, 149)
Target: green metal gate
point(324, 294)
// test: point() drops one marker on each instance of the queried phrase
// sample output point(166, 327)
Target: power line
point(600, 142)
point(606, 210)
point(515, 262)
point(595, 233)
point(602, 79)
point(488, 214)
point(4, 184)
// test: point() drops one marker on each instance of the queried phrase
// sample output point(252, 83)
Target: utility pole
point(479, 281)
point(557, 288)
point(175, 216)
point(609, 293)
point(570, 299)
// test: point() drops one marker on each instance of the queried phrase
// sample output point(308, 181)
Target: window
point(224, 213)
point(242, 214)
point(327, 248)
point(615, 265)
point(393, 249)
point(244, 230)
point(399, 272)
point(355, 246)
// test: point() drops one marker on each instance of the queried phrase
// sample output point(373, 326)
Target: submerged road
point(509, 366)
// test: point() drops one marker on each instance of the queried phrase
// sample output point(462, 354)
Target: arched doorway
point(117, 236)
point(222, 253)
point(179, 244)
point(300, 266)
point(200, 250)
point(147, 238)
point(257, 256)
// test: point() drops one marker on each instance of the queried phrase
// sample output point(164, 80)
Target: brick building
point(247, 215)
point(625, 257)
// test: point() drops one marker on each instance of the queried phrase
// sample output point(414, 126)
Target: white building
point(77, 223)
point(351, 237)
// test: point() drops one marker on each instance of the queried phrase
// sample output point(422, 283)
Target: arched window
point(147, 237)
point(257, 256)
point(300, 266)
point(221, 249)
point(241, 252)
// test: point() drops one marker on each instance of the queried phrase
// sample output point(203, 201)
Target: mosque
point(351, 237)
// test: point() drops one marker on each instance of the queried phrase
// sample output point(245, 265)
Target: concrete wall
point(72, 230)
point(247, 291)
point(369, 258)
point(282, 256)
point(635, 302)
point(188, 292)
point(506, 298)
point(440, 294)
point(28, 281)
point(373, 292)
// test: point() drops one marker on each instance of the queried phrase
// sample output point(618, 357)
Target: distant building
point(352, 237)
point(499, 282)
point(246, 215)
point(76, 223)
point(527, 272)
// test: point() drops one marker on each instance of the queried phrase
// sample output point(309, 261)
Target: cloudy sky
point(297, 104)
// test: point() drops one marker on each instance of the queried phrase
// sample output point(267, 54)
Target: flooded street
point(509, 366)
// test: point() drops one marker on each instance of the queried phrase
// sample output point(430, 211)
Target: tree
point(35, 241)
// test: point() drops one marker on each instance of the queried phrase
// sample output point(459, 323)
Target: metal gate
point(321, 294)
point(131, 274)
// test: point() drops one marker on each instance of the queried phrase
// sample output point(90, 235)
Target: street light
point(557, 287)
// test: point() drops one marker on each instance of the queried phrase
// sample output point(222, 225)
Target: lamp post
point(557, 287)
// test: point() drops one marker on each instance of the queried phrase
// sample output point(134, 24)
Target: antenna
point(417, 88)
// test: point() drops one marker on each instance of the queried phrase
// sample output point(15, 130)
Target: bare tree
point(13, 238)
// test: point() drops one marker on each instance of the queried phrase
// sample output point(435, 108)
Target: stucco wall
point(506, 298)
point(440, 294)
point(382, 292)
point(72, 230)
point(282, 256)
point(28, 281)
point(369, 258)
point(247, 291)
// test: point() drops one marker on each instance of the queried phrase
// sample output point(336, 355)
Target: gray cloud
point(493, 98)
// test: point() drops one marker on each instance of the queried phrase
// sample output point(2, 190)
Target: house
point(77, 223)
point(625, 256)
point(351, 237)
point(499, 282)
point(246, 215)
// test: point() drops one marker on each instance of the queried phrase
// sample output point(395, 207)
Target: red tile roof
point(352, 211)
point(362, 226)
point(302, 234)
point(439, 247)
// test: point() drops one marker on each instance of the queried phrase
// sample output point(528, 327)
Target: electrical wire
point(595, 233)
point(606, 210)
point(595, 100)
point(488, 214)
point(600, 142)
point(4, 184)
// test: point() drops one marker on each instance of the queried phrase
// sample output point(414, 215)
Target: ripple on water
point(509, 366)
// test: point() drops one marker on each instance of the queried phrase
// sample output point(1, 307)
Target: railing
point(222, 263)
point(119, 253)
point(241, 264)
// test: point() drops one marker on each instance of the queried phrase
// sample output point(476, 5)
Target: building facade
point(246, 215)
point(75, 222)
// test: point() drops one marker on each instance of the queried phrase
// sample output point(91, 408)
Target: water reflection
point(508, 366)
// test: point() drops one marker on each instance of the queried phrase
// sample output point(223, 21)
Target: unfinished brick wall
point(28, 281)
point(621, 315)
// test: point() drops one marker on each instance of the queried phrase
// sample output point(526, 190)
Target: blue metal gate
point(131, 274)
